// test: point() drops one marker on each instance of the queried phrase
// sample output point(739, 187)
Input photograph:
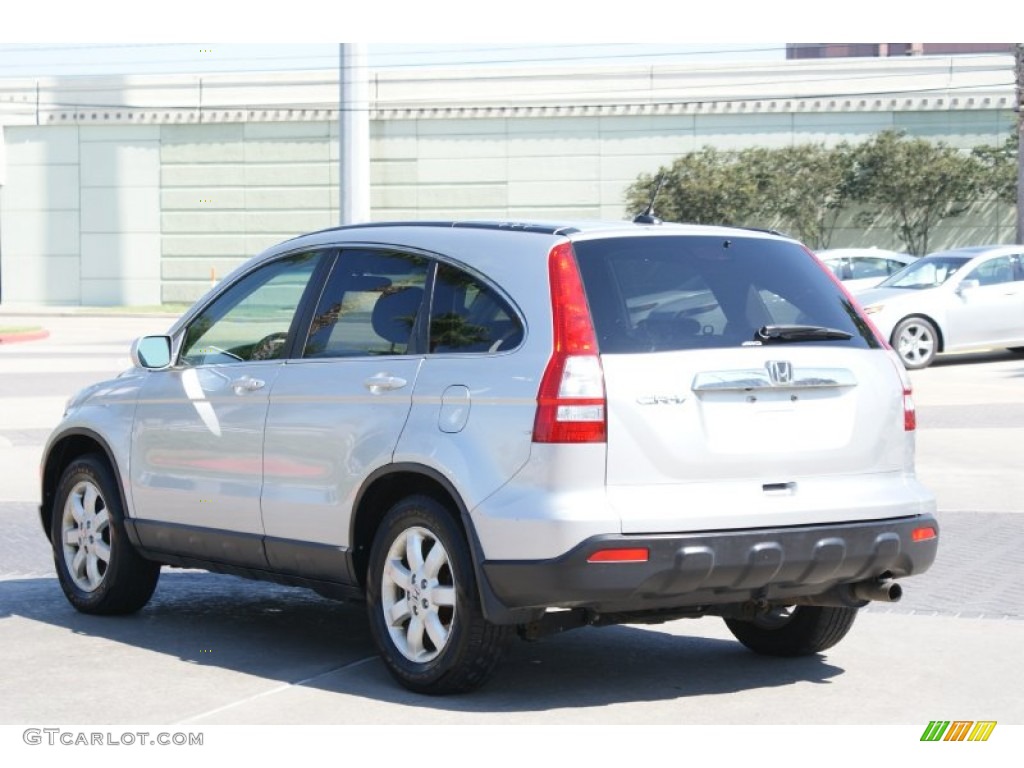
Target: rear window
point(654, 294)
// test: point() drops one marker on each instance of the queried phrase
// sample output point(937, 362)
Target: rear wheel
point(794, 630)
point(424, 612)
point(98, 569)
point(916, 342)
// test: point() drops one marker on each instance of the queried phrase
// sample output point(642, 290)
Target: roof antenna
point(648, 217)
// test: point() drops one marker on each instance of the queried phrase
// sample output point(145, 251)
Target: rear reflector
point(923, 534)
point(632, 555)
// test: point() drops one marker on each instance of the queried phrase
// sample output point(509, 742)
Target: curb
point(12, 338)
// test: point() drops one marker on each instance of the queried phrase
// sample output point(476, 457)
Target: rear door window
point(669, 293)
point(370, 306)
point(993, 272)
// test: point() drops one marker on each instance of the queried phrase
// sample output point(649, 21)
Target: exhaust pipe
point(882, 590)
point(855, 595)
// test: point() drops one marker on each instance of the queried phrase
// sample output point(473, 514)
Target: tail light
point(571, 403)
point(909, 410)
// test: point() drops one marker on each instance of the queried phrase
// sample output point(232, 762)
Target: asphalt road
point(214, 649)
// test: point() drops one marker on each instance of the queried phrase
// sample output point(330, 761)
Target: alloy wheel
point(418, 594)
point(85, 536)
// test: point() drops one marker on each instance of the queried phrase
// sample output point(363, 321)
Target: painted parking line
point(59, 364)
point(30, 412)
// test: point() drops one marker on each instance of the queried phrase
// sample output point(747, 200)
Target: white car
point(863, 268)
point(952, 301)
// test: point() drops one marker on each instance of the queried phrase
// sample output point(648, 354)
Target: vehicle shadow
point(974, 358)
point(608, 666)
point(200, 622)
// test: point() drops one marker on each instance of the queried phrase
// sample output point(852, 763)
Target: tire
point(424, 610)
point(1016, 350)
point(794, 631)
point(97, 566)
point(916, 342)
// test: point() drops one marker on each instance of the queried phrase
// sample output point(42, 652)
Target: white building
point(141, 190)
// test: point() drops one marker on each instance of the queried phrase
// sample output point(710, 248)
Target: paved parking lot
point(215, 649)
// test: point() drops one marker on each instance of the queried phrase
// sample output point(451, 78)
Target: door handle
point(247, 384)
point(383, 382)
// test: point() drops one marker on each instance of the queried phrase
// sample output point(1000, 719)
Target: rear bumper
point(717, 567)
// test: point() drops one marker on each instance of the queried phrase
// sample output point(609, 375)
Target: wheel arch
point(73, 444)
point(384, 488)
point(388, 485)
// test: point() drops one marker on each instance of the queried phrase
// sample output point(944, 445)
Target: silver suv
point(487, 429)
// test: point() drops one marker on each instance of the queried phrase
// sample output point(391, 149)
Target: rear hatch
point(743, 387)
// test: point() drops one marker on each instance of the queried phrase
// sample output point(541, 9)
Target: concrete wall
point(229, 191)
point(40, 249)
point(140, 204)
point(81, 216)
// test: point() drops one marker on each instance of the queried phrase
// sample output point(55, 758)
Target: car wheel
point(97, 566)
point(794, 630)
point(1017, 350)
point(916, 342)
point(425, 613)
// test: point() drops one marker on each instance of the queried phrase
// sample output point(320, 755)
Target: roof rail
point(512, 226)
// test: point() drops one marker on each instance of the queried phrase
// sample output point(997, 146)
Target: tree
point(907, 183)
point(1000, 169)
point(815, 185)
point(801, 189)
point(915, 182)
point(703, 187)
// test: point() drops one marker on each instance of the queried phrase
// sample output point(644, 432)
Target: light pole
point(354, 135)
point(1019, 69)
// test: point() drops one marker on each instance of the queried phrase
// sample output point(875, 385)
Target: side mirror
point(967, 285)
point(152, 352)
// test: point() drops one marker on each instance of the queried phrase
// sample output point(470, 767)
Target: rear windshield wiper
point(775, 334)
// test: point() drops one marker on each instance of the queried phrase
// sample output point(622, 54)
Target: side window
point(993, 271)
point(871, 266)
point(468, 316)
point(840, 268)
point(250, 321)
point(370, 305)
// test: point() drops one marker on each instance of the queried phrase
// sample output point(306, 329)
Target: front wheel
point(916, 342)
point(97, 566)
point(794, 630)
point(424, 611)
